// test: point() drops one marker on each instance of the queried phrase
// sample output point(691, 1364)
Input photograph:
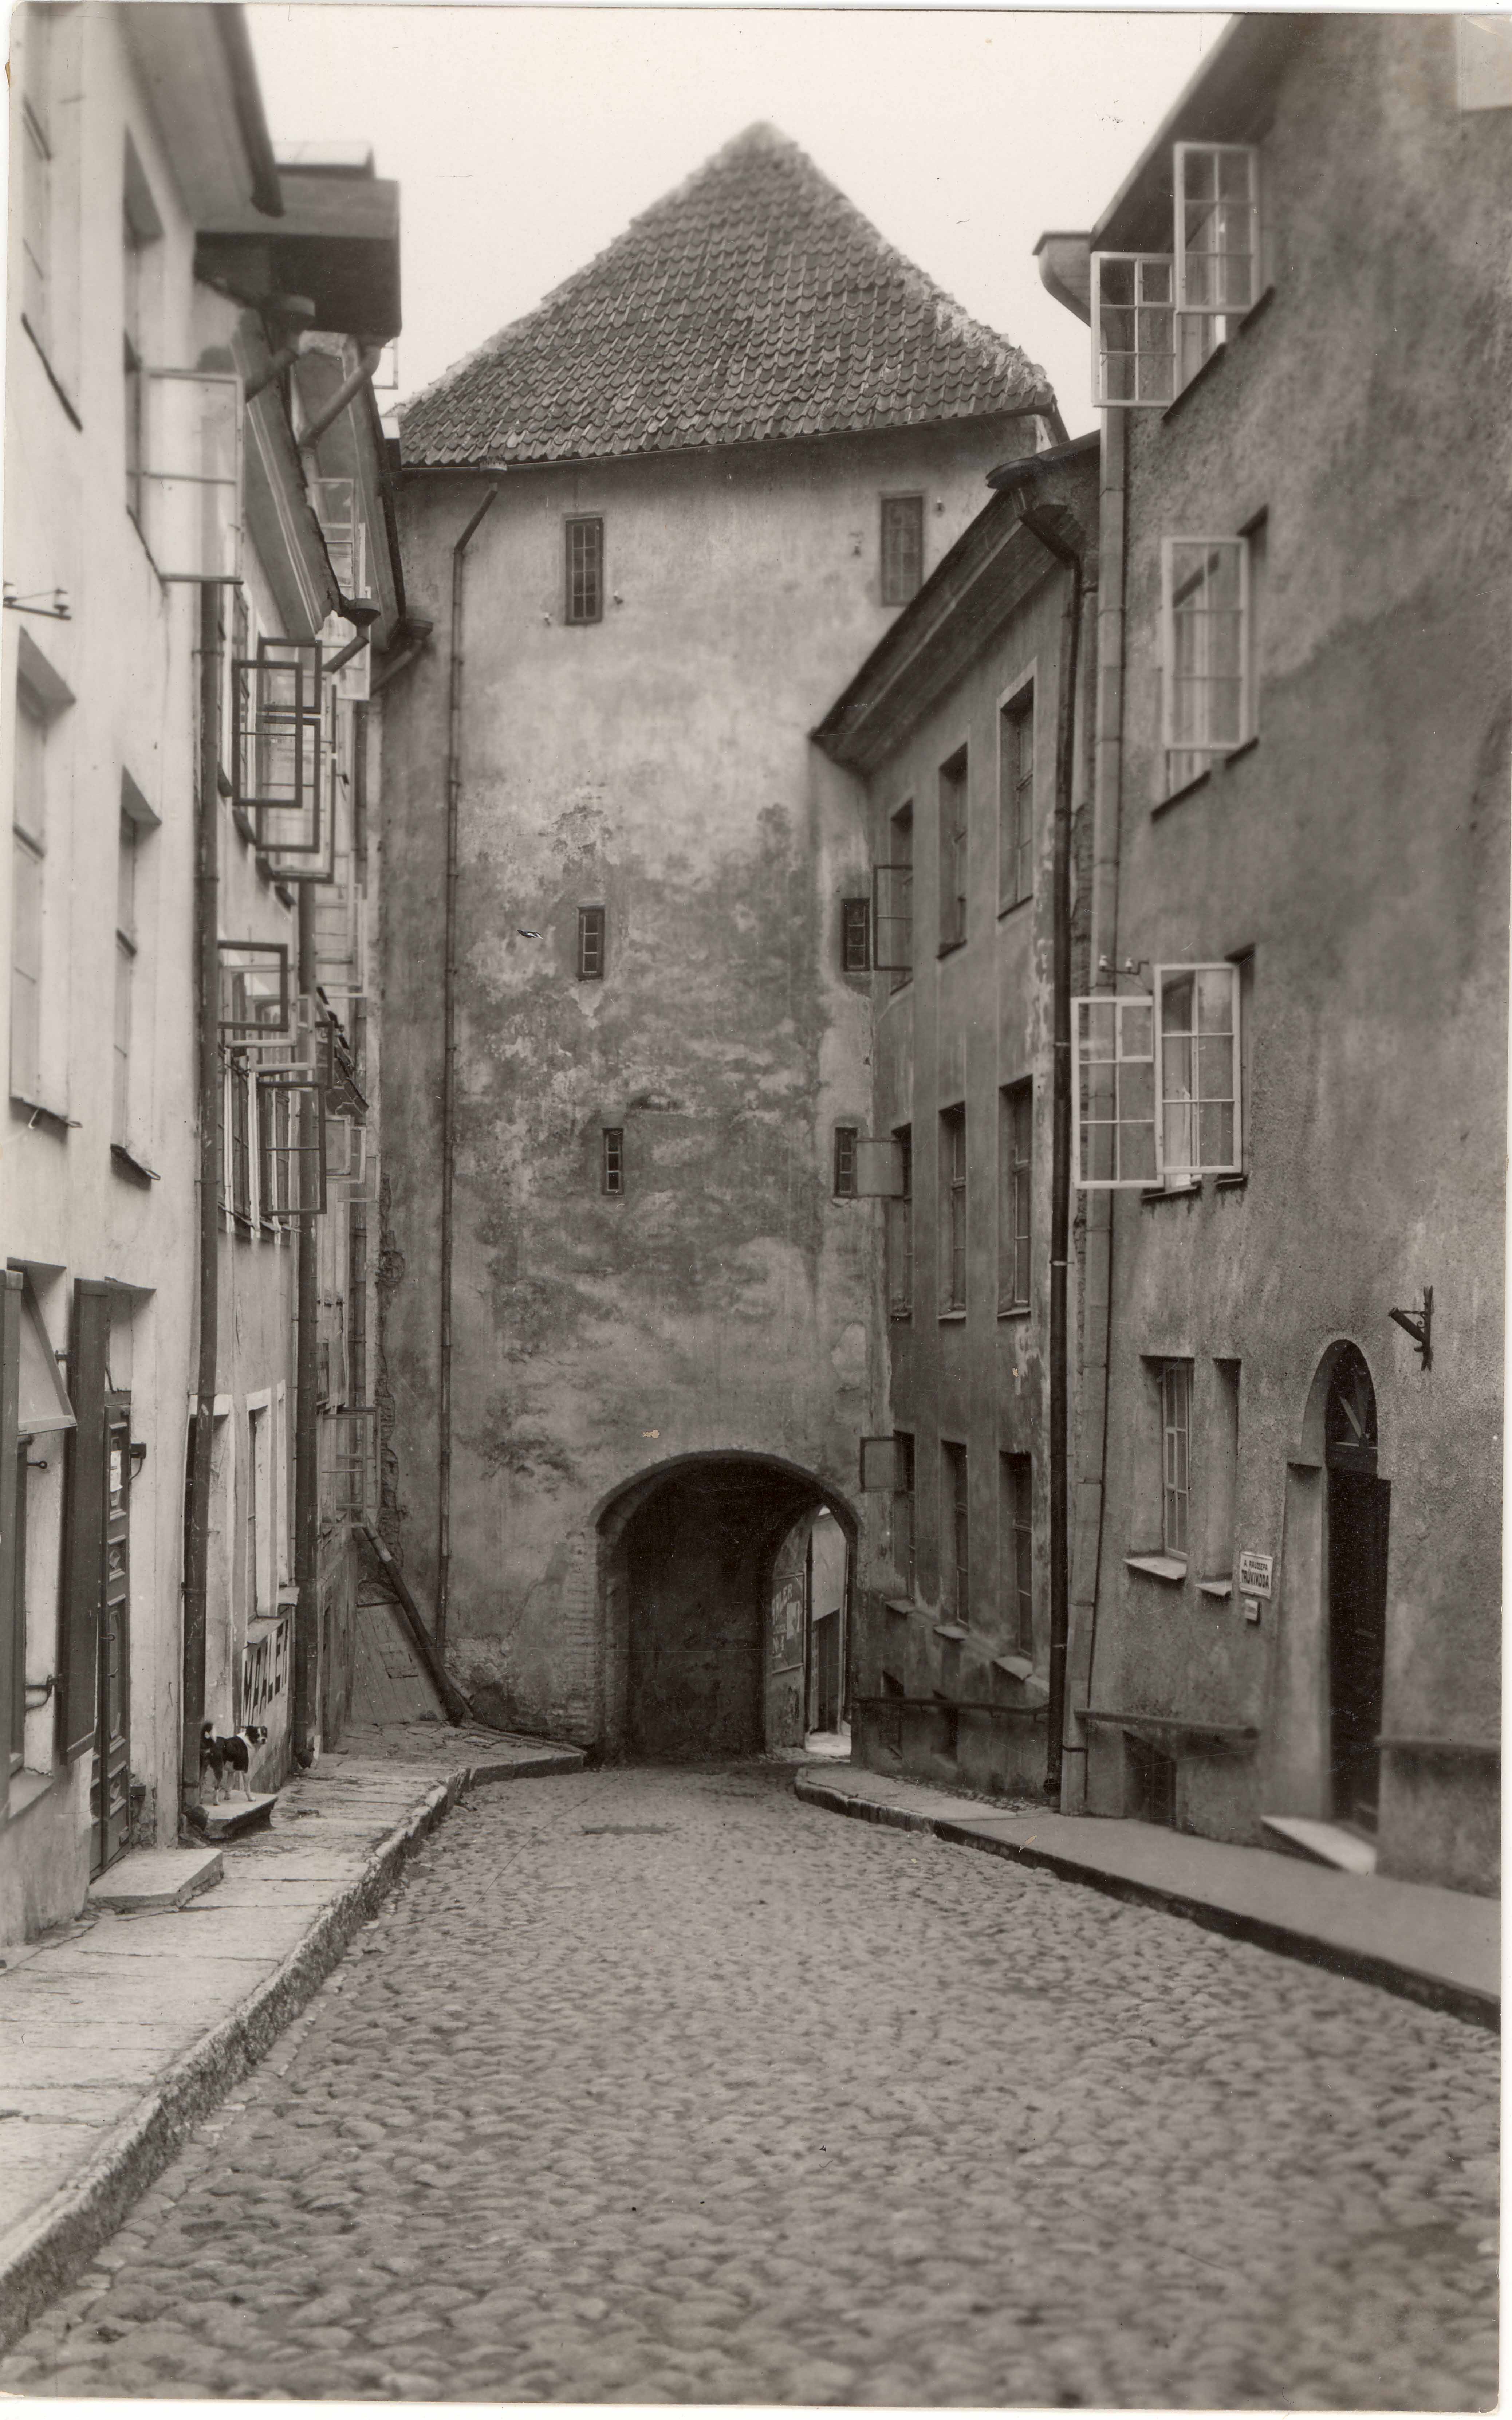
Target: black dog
point(224, 1759)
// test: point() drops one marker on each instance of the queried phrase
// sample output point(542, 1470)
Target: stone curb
point(40, 2259)
point(1409, 1983)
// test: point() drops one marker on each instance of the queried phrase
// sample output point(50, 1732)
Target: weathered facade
point(160, 530)
point(657, 1305)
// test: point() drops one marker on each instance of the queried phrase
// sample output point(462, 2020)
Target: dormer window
point(1157, 315)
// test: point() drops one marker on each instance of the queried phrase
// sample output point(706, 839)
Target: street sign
point(1254, 1574)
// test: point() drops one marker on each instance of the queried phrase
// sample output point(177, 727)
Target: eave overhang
point(196, 69)
point(337, 242)
point(1230, 99)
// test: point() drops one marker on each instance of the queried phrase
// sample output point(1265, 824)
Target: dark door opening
point(1359, 1514)
point(110, 1777)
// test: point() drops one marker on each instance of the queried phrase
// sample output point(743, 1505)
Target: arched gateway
point(694, 1626)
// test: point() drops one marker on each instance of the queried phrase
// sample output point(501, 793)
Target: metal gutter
point(230, 22)
point(207, 1086)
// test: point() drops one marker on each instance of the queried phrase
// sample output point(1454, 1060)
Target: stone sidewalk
point(1440, 1948)
point(119, 2032)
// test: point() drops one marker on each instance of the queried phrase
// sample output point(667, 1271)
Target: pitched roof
point(754, 302)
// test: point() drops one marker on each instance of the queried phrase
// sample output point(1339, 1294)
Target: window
point(1133, 328)
point(901, 1542)
point(36, 186)
point(900, 1232)
point(1217, 228)
point(133, 367)
point(845, 1141)
point(892, 900)
point(1156, 1082)
point(1176, 1457)
point(236, 1129)
point(30, 848)
point(611, 1161)
point(855, 937)
point(1220, 1471)
point(955, 1526)
point(1015, 775)
point(1205, 652)
point(952, 1210)
point(336, 510)
point(1015, 1143)
point(1018, 1539)
point(903, 548)
point(585, 569)
point(1158, 315)
point(953, 851)
point(125, 971)
point(592, 933)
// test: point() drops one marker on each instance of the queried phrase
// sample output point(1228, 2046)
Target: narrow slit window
point(845, 1141)
point(1014, 1195)
point(956, 1529)
point(855, 936)
point(1018, 1539)
point(611, 1162)
point(903, 548)
point(1015, 854)
point(125, 973)
point(954, 1210)
point(30, 850)
point(592, 940)
point(1176, 1457)
point(952, 828)
point(900, 1216)
point(901, 1540)
point(585, 569)
point(892, 900)
point(1206, 652)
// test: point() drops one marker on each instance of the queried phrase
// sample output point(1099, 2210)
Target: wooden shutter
point(880, 1466)
point(83, 1520)
point(12, 1604)
point(879, 1168)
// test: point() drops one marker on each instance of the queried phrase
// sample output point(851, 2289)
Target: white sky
point(525, 138)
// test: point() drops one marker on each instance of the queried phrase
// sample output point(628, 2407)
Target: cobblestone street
point(655, 2085)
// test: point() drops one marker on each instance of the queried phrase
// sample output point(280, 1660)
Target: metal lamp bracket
point(1419, 1326)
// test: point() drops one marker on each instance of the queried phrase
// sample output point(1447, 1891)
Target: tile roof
point(754, 302)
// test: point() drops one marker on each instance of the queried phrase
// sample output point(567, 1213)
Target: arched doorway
point(696, 1593)
point(1359, 1512)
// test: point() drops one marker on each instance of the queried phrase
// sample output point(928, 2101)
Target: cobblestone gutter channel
point(109, 1999)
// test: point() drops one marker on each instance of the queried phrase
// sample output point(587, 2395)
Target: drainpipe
point(350, 386)
point(1060, 1139)
point(453, 797)
point(207, 1087)
point(307, 1385)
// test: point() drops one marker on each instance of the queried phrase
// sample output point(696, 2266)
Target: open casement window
point(349, 1463)
point(188, 475)
point(346, 1149)
point(1157, 1081)
point(280, 745)
point(1217, 228)
point(1205, 652)
point(878, 1166)
point(336, 509)
point(893, 919)
point(291, 1128)
point(1133, 328)
point(255, 1004)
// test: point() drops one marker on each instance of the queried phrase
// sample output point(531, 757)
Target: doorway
point(110, 1773)
point(1359, 1516)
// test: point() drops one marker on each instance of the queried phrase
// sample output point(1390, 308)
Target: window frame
point(1016, 793)
point(582, 584)
point(894, 564)
point(1141, 309)
point(902, 1523)
point(1018, 1528)
point(1175, 1459)
point(842, 1172)
point(611, 1162)
point(856, 935)
point(953, 798)
point(1185, 758)
point(1150, 1114)
point(1015, 1198)
point(592, 944)
point(954, 1177)
point(955, 1528)
point(125, 956)
point(898, 1235)
point(1229, 306)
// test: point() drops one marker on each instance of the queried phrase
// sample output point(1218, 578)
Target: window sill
point(1153, 1193)
point(952, 1318)
point(1172, 798)
point(1014, 1311)
point(1196, 379)
point(1168, 1568)
point(53, 1121)
point(1018, 1667)
point(1009, 907)
point(1234, 1183)
point(899, 1319)
point(1220, 1589)
point(952, 1630)
point(127, 1164)
point(904, 1605)
point(1257, 311)
point(1243, 750)
point(948, 949)
point(26, 1787)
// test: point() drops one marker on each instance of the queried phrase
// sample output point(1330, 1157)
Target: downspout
point(1070, 629)
point(350, 386)
point(307, 1385)
point(207, 1088)
point(454, 798)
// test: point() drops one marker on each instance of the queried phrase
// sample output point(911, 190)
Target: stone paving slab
point(115, 2038)
point(1441, 1947)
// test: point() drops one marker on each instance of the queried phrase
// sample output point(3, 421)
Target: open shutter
point(879, 1168)
point(191, 475)
point(1217, 227)
point(880, 1471)
point(1133, 328)
point(1205, 649)
point(1197, 1072)
point(893, 919)
point(1117, 1135)
point(83, 1520)
point(12, 1602)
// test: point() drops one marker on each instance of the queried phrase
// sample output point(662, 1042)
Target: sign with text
point(1254, 1574)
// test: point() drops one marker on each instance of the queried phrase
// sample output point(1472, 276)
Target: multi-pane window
point(1217, 227)
point(1176, 1455)
point(1134, 327)
point(612, 1160)
point(1018, 1547)
point(1157, 1080)
point(900, 1232)
point(585, 569)
point(892, 900)
point(125, 973)
point(592, 936)
point(902, 1543)
point(903, 548)
point(955, 1530)
point(952, 1210)
point(855, 936)
point(1015, 1143)
point(1205, 652)
point(237, 1122)
point(1158, 315)
point(1015, 773)
point(953, 850)
point(29, 846)
point(845, 1141)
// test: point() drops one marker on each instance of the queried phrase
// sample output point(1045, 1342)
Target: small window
point(900, 1232)
point(1018, 1541)
point(585, 569)
point(956, 1531)
point(1176, 1457)
point(592, 933)
point(855, 937)
point(29, 850)
point(1015, 773)
point(901, 1542)
point(954, 778)
point(903, 548)
point(845, 1141)
point(1206, 652)
point(125, 972)
point(892, 900)
point(1016, 1139)
point(952, 1210)
point(611, 1163)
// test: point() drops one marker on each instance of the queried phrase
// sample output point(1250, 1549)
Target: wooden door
point(1358, 1516)
point(110, 1803)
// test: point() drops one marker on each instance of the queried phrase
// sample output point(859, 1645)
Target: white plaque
point(1254, 1574)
